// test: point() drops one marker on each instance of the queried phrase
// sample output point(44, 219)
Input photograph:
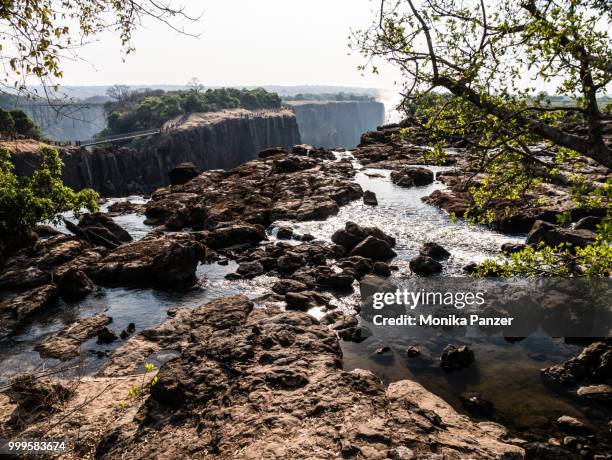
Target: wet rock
point(74, 284)
point(307, 237)
point(373, 248)
point(120, 208)
point(454, 357)
point(453, 203)
point(476, 404)
point(353, 234)
point(46, 231)
point(381, 269)
point(18, 308)
point(129, 330)
point(588, 223)
point(409, 177)
point(511, 248)
point(290, 262)
point(425, 266)
point(355, 334)
point(285, 233)
point(301, 301)
point(334, 280)
point(412, 352)
point(543, 451)
point(434, 250)
point(100, 230)
point(66, 344)
point(168, 260)
point(600, 392)
point(106, 336)
point(369, 198)
point(236, 234)
point(572, 425)
point(250, 269)
point(288, 285)
point(183, 173)
point(593, 364)
point(553, 235)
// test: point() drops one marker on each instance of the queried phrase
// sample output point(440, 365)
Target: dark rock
point(236, 234)
point(168, 260)
point(369, 198)
point(355, 334)
point(542, 451)
point(456, 357)
point(511, 248)
point(425, 266)
point(100, 230)
point(373, 248)
point(106, 336)
point(588, 223)
point(553, 235)
point(353, 234)
point(250, 269)
point(593, 364)
point(183, 173)
point(119, 208)
point(476, 404)
point(412, 352)
point(409, 177)
point(284, 233)
point(381, 269)
point(45, 231)
point(434, 250)
point(342, 280)
point(301, 301)
point(74, 284)
point(307, 237)
point(290, 262)
point(470, 268)
point(288, 285)
point(267, 153)
point(129, 330)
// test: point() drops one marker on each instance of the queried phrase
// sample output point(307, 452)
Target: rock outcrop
point(237, 367)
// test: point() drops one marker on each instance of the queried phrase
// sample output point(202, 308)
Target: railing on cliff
point(164, 129)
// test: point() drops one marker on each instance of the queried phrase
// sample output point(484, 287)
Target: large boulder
point(183, 173)
point(409, 177)
point(168, 260)
point(425, 266)
point(352, 234)
point(373, 248)
point(593, 364)
point(236, 234)
point(554, 235)
point(99, 229)
point(434, 250)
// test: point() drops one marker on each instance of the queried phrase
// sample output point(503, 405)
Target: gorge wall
point(209, 141)
point(332, 124)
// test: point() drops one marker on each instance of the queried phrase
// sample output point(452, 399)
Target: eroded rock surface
point(238, 365)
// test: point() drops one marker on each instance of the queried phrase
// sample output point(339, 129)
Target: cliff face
point(210, 142)
point(336, 124)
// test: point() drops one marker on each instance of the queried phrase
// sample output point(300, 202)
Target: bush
point(25, 202)
point(23, 124)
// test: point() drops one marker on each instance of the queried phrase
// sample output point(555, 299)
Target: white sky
point(265, 42)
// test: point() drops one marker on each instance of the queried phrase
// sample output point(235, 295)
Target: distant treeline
point(145, 109)
point(14, 121)
point(341, 96)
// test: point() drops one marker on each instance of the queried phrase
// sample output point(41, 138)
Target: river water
point(507, 374)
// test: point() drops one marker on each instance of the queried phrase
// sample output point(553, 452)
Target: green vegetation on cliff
point(138, 110)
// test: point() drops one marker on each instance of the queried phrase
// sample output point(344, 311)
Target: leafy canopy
point(25, 202)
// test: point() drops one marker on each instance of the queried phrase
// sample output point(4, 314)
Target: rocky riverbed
point(239, 287)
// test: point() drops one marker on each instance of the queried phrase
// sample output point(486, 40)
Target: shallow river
point(507, 374)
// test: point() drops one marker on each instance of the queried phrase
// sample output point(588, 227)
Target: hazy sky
point(265, 42)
